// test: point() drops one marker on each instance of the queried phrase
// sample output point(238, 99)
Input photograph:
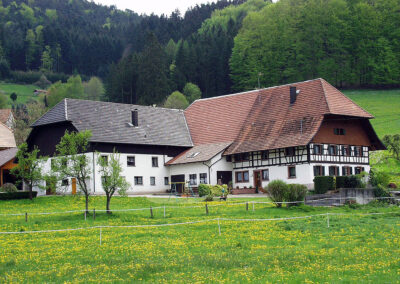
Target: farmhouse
point(291, 132)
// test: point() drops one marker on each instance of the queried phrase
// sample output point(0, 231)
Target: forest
point(213, 49)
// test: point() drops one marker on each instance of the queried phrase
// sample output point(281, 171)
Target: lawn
point(383, 104)
point(24, 92)
point(354, 248)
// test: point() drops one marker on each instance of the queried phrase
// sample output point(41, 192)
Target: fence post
point(219, 228)
point(206, 209)
point(247, 206)
point(100, 236)
point(26, 216)
point(94, 213)
point(85, 214)
point(151, 212)
point(327, 219)
point(253, 206)
point(164, 211)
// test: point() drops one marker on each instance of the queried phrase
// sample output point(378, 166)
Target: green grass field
point(354, 248)
point(383, 104)
point(24, 92)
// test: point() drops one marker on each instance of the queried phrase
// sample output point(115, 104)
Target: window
point(317, 149)
point(152, 180)
point(203, 178)
point(347, 171)
point(292, 171)
point(339, 131)
point(319, 171)
point(105, 159)
point(265, 174)
point(332, 150)
point(358, 170)
point(345, 151)
point(357, 151)
point(242, 176)
point(245, 156)
point(229, 158)
point(138, 180)
point(192, 155)
point(264, 155)
point(154, 162)
point(289, 152)
point(166, 181)
point(65, 182)
point(192, 179)
point(130, 161)
point(333, 171)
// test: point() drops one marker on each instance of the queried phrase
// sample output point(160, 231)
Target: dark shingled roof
point(7, 155)
point(109, 122)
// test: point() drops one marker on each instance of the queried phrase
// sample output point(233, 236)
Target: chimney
point(135, 118)
point(293, 95)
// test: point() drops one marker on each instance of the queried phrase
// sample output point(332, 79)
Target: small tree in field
point(72, 161)
point(112, 181)
point(29, 168)
point(392, 143)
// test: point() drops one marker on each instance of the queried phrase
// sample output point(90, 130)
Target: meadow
point(354, 248)
point(383, 104)
point(24, 92)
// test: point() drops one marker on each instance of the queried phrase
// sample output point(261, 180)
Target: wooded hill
point(223, 47)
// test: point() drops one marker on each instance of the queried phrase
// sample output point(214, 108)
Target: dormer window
point(192, 155)
point(339, 131)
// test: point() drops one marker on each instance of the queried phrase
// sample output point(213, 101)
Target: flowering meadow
point(356, 246)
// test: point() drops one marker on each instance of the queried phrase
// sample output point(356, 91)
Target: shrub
point(295, 192)
point(29, 77)
point(8, 187)
point(204, 189)
point(379, 177)
point(17, 195)
point(350, 182)
point(277, 190)
point(323, 183)
point(381, 191)
point(209, 197)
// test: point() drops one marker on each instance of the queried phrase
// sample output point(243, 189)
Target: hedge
point(16, 195)
point(348, 182)
point(323, 183)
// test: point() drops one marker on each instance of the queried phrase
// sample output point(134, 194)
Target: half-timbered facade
point(292, 132)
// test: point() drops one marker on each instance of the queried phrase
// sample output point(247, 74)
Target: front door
point(73, 180)
point(257, 180)
point(178, 183)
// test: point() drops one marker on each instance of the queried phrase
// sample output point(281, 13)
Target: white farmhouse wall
point(304, 174)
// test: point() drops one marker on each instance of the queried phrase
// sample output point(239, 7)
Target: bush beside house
point(279, 191)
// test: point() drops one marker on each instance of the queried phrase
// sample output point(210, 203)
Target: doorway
point(257, 180)
point(178, 183)
point(73, 181)
point(224, 176)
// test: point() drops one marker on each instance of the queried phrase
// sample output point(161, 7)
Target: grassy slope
point(383, 104)
point(24, 92)
point(353, 248)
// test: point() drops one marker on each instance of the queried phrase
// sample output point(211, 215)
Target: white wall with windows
point(300, 173)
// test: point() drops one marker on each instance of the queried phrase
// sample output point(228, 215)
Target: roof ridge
point(124, 104)
point(256, 90)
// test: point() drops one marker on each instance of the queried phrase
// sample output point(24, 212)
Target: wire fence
point(203, 205)
point(218, 220)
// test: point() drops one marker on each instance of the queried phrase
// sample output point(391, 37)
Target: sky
point(153, 6)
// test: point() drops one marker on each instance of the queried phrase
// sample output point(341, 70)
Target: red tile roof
point(264, 119)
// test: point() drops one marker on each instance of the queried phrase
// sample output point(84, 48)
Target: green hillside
point(24, 92)
point(383, 104)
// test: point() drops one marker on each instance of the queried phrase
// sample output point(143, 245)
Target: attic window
point(339, 131)
point(193, 155)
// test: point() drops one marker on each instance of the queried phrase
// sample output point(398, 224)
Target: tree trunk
point(87, 203)
point(108, 204)
point(30, 192)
